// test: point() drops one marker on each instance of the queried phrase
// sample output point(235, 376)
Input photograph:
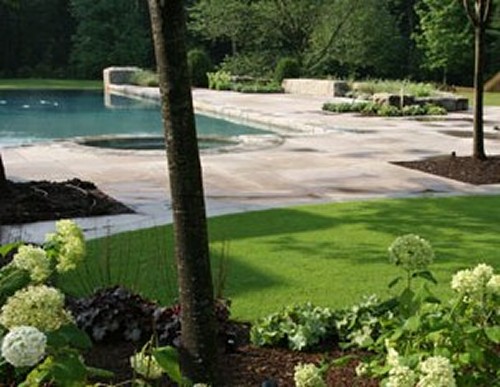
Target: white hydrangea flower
point(34, 260)
point(411, 252)
point(362, 369)
point(437, 372)
point(482, 273)
point(464, 282)
point(392, 358)
point(24, 346)
point(69, 243)
point(39, 306)
point(308, 375)
point(146, 365)
point(472, 282)
point(401, 376)
point(493, 285)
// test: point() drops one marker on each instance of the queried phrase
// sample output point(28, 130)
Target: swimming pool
point(30, 116)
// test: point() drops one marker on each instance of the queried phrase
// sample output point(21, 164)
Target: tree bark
point(478, 142)
point(478, 16)
point(3, 177)
point(198, 351)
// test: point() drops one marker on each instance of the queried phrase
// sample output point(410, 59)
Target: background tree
point(35, 38)
point(478, 12)
point(3, 177)
point(110, 32)
point(351, 43)
point(444, 37)
point(198, 347)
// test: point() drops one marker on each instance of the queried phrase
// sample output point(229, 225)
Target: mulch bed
point(465, 169)
point(43, 200)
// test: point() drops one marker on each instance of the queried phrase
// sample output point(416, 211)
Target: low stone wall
point(117, 75)
point(319, 87)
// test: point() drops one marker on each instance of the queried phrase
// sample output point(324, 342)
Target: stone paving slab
point(322, 157)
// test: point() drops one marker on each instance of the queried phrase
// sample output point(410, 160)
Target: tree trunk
point(198, 351)
point(3, 177)
point(478, 145)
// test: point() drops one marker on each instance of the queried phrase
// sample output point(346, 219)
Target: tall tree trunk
point(3, 178)
point(478, 12)
point(198, 349)
point(478, 146)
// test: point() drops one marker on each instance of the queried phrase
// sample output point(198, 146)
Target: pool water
point(37, 115)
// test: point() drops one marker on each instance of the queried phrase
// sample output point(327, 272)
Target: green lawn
point(490, 99)
point(329, 254)
point(6, 84)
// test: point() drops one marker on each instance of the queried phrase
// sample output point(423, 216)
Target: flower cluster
point(436, 372)
point(474, 283)
point(308, 375)
point(39, 306)
point(34, 260)
point(146, 365)
point(69, 243)
point(24, 346)
point(399, 375)
point(411, 252)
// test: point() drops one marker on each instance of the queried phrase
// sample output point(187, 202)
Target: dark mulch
point(43, 200)
point(465, 169)
point(245, 365)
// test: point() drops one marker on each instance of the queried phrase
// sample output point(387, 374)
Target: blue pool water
point(34, 116)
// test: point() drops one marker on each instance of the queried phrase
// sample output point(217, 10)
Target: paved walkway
point(318, 157)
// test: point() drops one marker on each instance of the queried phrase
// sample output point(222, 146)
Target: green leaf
point(99, 372)
point(168, 358)
point(74, 336)
point(493, 333)
point(5, 249)
point(394, 282)
point(342, 361)
point(412, 324)
point(68, 369)
point(427, 275)
point(11, 281)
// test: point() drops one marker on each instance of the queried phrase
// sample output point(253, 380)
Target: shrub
point(220, 80)
point(345, 107)
point(199, 65)
point(287, 68)
point(145, 78)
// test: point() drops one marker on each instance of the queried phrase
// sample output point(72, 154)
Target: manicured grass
point(490, 99)
point(6, 84)
point(329, 254)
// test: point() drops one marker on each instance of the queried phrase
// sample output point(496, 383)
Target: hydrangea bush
point(417, 340)
point(39, 338)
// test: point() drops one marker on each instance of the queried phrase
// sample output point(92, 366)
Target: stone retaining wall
point(117, 75)
point(318, 87)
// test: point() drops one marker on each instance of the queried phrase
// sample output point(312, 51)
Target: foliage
point(349, 37)
point(109, 33)
point(384, 110)
point(299, 327)
point(444, 36)
point(146, 78)
point(115, 314)
point(287, 68)
point(40, 340)
point(220, 80)
point(199, 65)
point(417, 89)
